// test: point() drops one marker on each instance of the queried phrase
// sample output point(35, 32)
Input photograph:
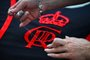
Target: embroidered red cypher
point(40, 37)
point(42, 34)
point(55, 19)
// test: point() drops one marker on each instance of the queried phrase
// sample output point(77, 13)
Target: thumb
point(57, 42)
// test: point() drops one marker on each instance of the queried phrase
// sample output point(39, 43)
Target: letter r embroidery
point(40, 37)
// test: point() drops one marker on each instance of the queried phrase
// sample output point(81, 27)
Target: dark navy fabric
point(12, 44)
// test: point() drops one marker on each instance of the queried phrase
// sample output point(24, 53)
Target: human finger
point(19, 7)
point(57, 42)
point(24, 23)
point(56, 50)
point(61, 55)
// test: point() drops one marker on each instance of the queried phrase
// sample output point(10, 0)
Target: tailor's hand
point(29, 8)
point(69, 48)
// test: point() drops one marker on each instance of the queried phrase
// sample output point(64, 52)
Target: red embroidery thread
point(55, 19)
point(40, 36)
point(88, 37)
point(7, 22)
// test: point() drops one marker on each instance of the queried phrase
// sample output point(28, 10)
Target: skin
point(31, 10)
point(71, 48)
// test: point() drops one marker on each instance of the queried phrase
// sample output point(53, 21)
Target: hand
point(69, 48)
point(30, 9)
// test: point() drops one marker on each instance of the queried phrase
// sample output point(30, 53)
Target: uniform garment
point(17, 43)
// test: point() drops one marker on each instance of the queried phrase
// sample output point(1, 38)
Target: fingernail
point(49, 45)
point(11, 12)
point(50, 54)
point(46, 49)
point(67, 37)
point(21, 25)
